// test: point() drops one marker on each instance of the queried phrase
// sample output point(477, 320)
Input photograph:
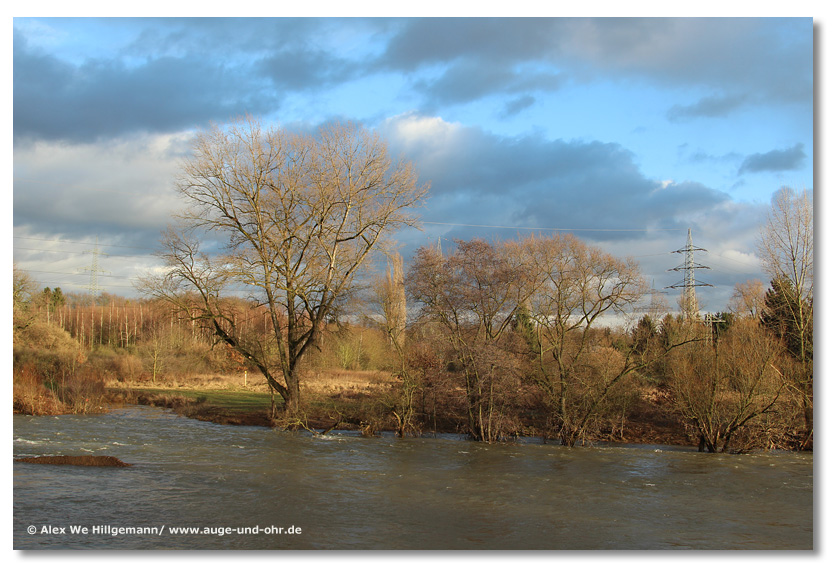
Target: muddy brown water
point(198, 485)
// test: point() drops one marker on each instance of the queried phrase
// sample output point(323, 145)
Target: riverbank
point(353, 400)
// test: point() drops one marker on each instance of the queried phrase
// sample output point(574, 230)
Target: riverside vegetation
point(726, 385)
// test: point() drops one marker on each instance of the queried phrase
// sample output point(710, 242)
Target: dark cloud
point(482, 179)
point(299, 70)
point(763, 59)
point(774, 161)
point(57, 100)
point(426, 41)
point(468, 80)
point(770, 58)
point(518, 105)
point(170, 74)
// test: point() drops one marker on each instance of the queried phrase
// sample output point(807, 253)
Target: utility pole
point(689, 303)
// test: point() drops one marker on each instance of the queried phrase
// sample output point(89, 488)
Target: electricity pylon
point(689, 302)
point(94, 269)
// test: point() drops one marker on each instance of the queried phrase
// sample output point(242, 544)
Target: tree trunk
point(292, 399)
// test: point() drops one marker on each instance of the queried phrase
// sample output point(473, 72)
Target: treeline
point(503, 339)
point(515, 328)
point(67, 347)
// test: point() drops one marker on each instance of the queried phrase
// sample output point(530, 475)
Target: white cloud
point(125, 183)
point(743, 261)
point(410, 129)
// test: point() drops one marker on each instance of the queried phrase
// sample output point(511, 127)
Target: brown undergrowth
point(76, 392)
point(361, 401)
point(334, 398)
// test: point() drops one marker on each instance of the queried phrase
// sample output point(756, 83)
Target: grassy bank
point(347, 399)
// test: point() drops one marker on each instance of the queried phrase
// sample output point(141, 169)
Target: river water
point(257, 488)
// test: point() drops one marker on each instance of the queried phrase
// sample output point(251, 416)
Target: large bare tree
point(286, 219)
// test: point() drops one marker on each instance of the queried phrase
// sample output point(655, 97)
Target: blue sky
point(627, 131)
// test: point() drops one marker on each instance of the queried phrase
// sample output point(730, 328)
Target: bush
point(81, 392)
point(50, 349)
point(51, 374)
point(30, 396)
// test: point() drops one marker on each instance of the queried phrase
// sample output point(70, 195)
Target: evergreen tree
point(780, 316)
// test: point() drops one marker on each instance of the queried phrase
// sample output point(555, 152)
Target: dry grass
point(330, 382)
point(333, 382)
point(236, 382)
point(352, 397)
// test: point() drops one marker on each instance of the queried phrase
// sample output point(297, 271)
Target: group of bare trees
point(757, 369)
point(528, 308)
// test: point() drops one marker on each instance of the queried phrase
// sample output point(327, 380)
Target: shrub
point(30, 396)
point(49, 349)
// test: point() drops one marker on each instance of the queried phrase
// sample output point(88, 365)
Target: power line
point(556, 229)
point(77, 242)
point(757, 266)
point(127, 255)
point(70, 273)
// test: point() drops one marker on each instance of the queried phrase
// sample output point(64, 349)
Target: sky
point(626, 132)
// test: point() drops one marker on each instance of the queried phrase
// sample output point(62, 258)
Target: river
point(258, 488)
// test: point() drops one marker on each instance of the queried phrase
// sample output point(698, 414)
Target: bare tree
point(786, 247)
point(297, 216)
point(748, 298)
point(388, 296)
point(474, 294)
point(786, 244)
point(576, 285)
point(23, 290)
